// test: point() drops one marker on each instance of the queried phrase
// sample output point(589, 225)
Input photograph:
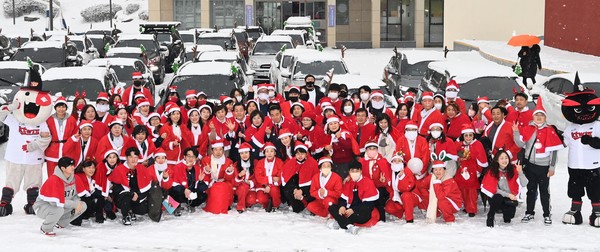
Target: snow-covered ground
point(261, 231)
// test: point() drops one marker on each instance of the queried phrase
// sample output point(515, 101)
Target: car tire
point(4, 137)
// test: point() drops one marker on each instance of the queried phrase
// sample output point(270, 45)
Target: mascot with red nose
point(29, 136)
point(582, 135)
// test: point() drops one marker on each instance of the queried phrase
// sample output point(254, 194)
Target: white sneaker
point(332, 224)
point(352, 229)
point(527, 218)
point(547, 221)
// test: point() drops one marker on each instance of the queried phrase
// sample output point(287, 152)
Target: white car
point(299, 37)
point(314, 62)
point(124, 68)
point(222, 39)
point(16, 72)
point(553, 92)
point(303, 23)
point(67, 81)
point(190, 55)
point(85, 47)
point(264, 52)
point(354, 82)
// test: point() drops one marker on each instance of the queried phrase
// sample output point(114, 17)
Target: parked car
point(71, 80)
point(303, 23)
point(229, 57)
point(17, 72)
point(6, 48)
point(154, 55)
point(124, 68)
point(225, 40)
point(313, 62)
point(85, 47)
point(169, 39)
point(406, 69)
point(299, 37)
point(49, 53)
point(354, 82)
point(100, 42)
point(264, 52)
point(254, 32)
point(242, 39)
point(190, 55)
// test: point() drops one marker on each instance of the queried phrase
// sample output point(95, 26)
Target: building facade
point(573, 25)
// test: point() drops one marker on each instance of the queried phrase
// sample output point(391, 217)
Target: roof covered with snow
point(136, 37)
point(354, 81)
point(466, 66)
point(229, 30)
point(215, 55)
point(203, 48)
point(309, 55)
point(414, 56)
point(14, 65)
point(274, 38)
point(298, 21)
point(84, 72)
point(43, 44)
point(290, 32)
point(215, 35)
point(114, 50)
point(102, 62)
point(205, 68)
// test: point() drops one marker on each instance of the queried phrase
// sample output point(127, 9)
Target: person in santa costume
point(89, 192)
point(310, 133)
point(500, 134)
point(196, 138)
point(414, 146)
point(81, 146)
point(142, 112)
point(58, 203)
point(455, 121)
point(272, 126)
point(146, 147)
point(154, 126)
point(114, 140)
point(444, 195)
point(220, 178)
point(404, 199)
point(186, 182)
point(386, 136)
point(244, 183)
point(61, 127)
point(356, 205)
point(220, 126)
point(158, 170)
point(293, 95)
point(242, 121)
point(365, 128)
point(378, 107)
point(325, 188)
point(262, 98)
point(104, 168)
point(428, 115)
point(472, 159)
point(88, 113)
point(451, 94)
point(296, 178)
point(103, 108)
point(541, 144)
point(268, 176)
point(522, 115)
point(338, 143)
point(138, 86)
point(286, 145)
point(130, 185)
point(376, 167)
point(438, 142)
point(483, 116)
point(174, 132)
point(502, 183)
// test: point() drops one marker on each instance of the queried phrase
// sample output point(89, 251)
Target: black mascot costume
point(582, 135)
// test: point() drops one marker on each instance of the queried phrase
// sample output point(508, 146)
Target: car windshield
point(319, 68)
point(163, 38)
point(124, 55)
point(213, 85)
point(12, 76)
point(79, 45)
point(254, 34)
point(297, 39)
point(269, 48)
point(417, 69)
point(495, 88)
point(124, 73)
point(68, 87)
point(214, 41)
point(148, 44)
point(187, 38)
point(40, 55)
point(14, 42)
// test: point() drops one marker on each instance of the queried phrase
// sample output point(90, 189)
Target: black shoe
point(595, 219)
point(178, 211)
point(573, 217)
point(269, 207)
point(99, 218)
point(506, 220)
point(111, 215)
point(28, 209)
point(471, 215)
point(133, 217)
point(5, 209)
point(127, 221)
point(490, 222)
point(240, 211)
point(76, 222)
point(410, 221)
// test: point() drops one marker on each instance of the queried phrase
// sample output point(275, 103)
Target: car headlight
point(253, 64)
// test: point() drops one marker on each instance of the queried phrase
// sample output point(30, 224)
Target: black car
point(168, 36)
point(49, 54)
point(406, 69)
point(150, 52)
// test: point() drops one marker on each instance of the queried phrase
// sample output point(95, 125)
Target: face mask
point(304, 97)
point(160, 167)
point(411, 135)
point(355, 176)
point(80, 106)
point(348, 109)
point(102, 108)
point(310, 84)
point(397, 167)
point(239, 98)
point(344, 94)
point(333, 95)
point(410, 103)
point(137, 83)
point(451, 94)
point(326, 171)
point(436, 134)
point(271, 94)
point(263, 96)
point(294, 99)
point(372, 154)
point(192, 103)
point(377, 104)
point(365, 96)
point(173, 98)
point(438, 106)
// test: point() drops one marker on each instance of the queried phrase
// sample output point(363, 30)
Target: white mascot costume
point(28, 138)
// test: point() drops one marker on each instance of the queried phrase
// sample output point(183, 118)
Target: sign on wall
point(249, 14)
point(331, 19)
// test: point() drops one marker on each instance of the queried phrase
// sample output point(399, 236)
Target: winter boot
point(595, 217)
point(574, 215)
point(5, 206)
point(32, 194)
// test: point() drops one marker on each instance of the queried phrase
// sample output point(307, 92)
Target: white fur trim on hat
point(285, 135)
point(436, 125)
point(371, 144)
point(323, 160)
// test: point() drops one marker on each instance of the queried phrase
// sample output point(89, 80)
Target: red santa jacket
point(474, 160)
point(521, 117)
point(349, 123)
point(546, 139)
point(460, 103)
point(156, 176)
point(503, 139)
point(433, 116)
point(449, 190)
point(199, 141)
point(221, 129)
point(119, 176)
point(248, 176)
point(173, 151)
point(266, 177)
point(53, 190)
point(342, 151)
point(381, 167)
point(59, 138)
point(100, 129)
point(366, 133)
point(178, 175)
point(128, 95)
point(101, 177)
point(305, 171)
point(332, 185)
point(367, 192)
point(489, 184)
point(287, 105)
point(259, 137)
point(401, 126)
point(422, 187)
point(455, 125)
point(85, 186)
point(421, 151)
point(221, 174)
point(312, 137)
point(404, 183)
point(74, 150)
point(106, 143)
point(145, 155)
point(486, 116)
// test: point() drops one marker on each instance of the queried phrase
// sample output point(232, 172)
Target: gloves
point(586, 139)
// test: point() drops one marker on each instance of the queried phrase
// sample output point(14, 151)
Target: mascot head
point(582, 105)
point(34, 105)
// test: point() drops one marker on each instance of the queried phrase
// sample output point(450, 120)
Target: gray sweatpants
point(53, 215)
point(31, 175)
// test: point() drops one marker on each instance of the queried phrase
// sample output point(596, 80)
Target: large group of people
point(334, 155)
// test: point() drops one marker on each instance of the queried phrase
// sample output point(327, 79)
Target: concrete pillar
point(376, 23)
point(205, 13)
point(154, 10)
point(330, 30)
point(420, 23)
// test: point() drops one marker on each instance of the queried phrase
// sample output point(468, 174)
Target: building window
point(434, 22)
point(227, 13)
point(188, 13)
point(397, 20)
point(342, 16)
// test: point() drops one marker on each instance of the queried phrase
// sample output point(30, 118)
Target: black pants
point(288, 194)
point(498, 203)
point(525, 79)
point(125, 202)
point(362, 214)
point(538, 180)
point(384, 195)
point(95, 207)
point(178, 194)
point(341, 169)
point(582, 181)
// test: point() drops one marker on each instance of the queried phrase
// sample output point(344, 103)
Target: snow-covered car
point(303, 23)
point(17, 72)
point(313, 62)
point(299, 37)
point(476, 77)
point(6, 48)
point(124, 68)
point(114, 33)
point(169, 39)
point(154, 55)
point(242, 39)
point(100, 42)
point(213, 78)
point(190, 55)
point(230, 57)
point(354, 82)
point(85, 47)
point(254, 32)
point(68, 81)
point(406, 69)
point(49, 53)
point(553, 92)
point(264, 52)
point(225, 40)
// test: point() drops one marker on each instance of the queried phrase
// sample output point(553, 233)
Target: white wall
point(491, 19)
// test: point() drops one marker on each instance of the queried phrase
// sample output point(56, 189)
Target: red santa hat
point(411, 125)
point(245, 147)
point(115, 122)
point(102, 96)
point(452, 84)
point(136, 75)
point(409, 95)
point(153, 114)
point(539, 107)
point(143, 102)
point(111, 151)
point(467, 128)
point(85, 123)
point(371, 144)
point(160, 152)
point(205, 106)
point(325, 104)
point(377, 93)
point(397, 155)
point(309, 114)
point(436, 125)
point(427, 95)
point(173, 89)
point(224, 99)
point(262, 86)
point(285, 132)
point(271, 87)
point(300, 145)
point(438, 164)
point(401, 100)
point(201, 93)
point(325, 159)
point(295, 88)
point(172, 107)
point(483, 99)
point(297, 104)
point(269, 145)
point(328, 107)
point(219, 142)
point(139, 95)
point(189, 112)
point(60, 100)
point(190, 94)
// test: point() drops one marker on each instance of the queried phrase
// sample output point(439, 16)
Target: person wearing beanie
point(296, 178)
point(377, 168)
point(220, 175)
point(444, 195)
point(81, 146)
point(325, 188)
point(268, 179)
point(472, 159)
point(61, 127)
point(58, 203)
point(244, 183)
point(403, 200)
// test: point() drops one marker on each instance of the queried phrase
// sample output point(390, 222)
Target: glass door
point(188, 13)
point(268, 16)
point(434, 22)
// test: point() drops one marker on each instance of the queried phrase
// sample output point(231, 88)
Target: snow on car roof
point(114, 50)
point(212, 55)
point(162, 23)
point(354, 81)
point(43, 44)
point(292, 32)
point(584, 77)
point(274, 38)
point(14, 65)
point(466, 66)
point(206, 68)
point(136, 37)
point(204, 48)
point(298, 21)
point(414, 56)
point(113, 62)
point(229, 30)
point(309, 55)
point(215, 35)
point(83, 72)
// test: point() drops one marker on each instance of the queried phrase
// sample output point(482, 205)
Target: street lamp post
point(14, 13)
point(51, 16)
point(111, 13)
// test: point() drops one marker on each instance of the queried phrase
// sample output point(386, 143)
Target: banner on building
point(249, 14)
point(331, 19)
